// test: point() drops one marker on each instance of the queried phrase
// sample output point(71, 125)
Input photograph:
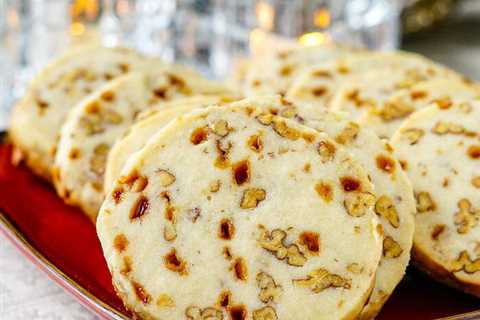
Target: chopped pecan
point(326, 150)
point(140, 208)
point(265, 118)
point(467, 217)
point(175, 263)
point(226, 229)
point(385, 163)
point(221, 128)
point(396, 109)
point(165, 177)
point(241, 172)
point(442, 127)
point(169, 231)
point(251, 197)
point(386, 208)
point(437, 231)
point(348, 134)
point(311, 240)
point(274, 243)
point(324, 190)
point(269, 290)
point(321, 279)
point(255, 143)
point(474, 152)
point(391, 248)
point(465, 263)
point(413, 135)
point(319, 91)
point(199, 135)
point(165, 301)
point(240, 269)
point(140, 184)
point(141, 293)
point(350, 184)
point(285, 131)
point(120, 242)
point(424, 202)
point(237, 312)
point(265, 313)
point(195, 313)
point(358, 203)
point(99, 159)
point(224, 299)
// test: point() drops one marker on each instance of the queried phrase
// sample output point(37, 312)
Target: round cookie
point(238, 224)
point(320, 83)
point(147, 124)
point(37, 117)
point(387, 116)
point(370, 90)
point(395, 204)
point(92, 127)
point(274, 73)
point(439, 148)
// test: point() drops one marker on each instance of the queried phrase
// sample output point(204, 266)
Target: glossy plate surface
point(62, 242)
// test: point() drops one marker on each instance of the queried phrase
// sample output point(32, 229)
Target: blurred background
point(214, 35)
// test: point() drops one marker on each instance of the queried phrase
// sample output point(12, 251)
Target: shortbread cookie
point(439, 148)
point(386, 117)
point(151, 121)
point(98, 122)
point(395, 204)
point(37, 118)
point(256, 218)
point(92, 127)
point(176, 81)
point(370, 90)
point(274, 73)
point(320, 83)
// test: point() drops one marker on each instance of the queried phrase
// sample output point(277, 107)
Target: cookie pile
point(301, 201)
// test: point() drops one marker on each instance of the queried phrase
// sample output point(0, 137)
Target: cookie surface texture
point(439, 148)
point(240, 226)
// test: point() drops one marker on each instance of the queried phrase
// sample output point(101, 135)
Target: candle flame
point(84, 8)
point(265, 15)
point(321, 18)
point(77, 29)
point(313, 39)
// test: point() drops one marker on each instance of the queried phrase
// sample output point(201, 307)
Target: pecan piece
point(265, 313)
point(269, 290)
point(465, 263)
point(386, 208)
point(467, 217)
point(321, 279)
point(195, 313)
point(274, 243)
point(251, 197)
point(413, 135)
point(424, 202)
point(358, 203)
point(166, 178)
point(391, 248)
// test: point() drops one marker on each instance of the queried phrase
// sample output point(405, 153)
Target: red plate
point(61, 241)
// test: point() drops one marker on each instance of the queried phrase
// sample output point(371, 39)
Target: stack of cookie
point(285, 205)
